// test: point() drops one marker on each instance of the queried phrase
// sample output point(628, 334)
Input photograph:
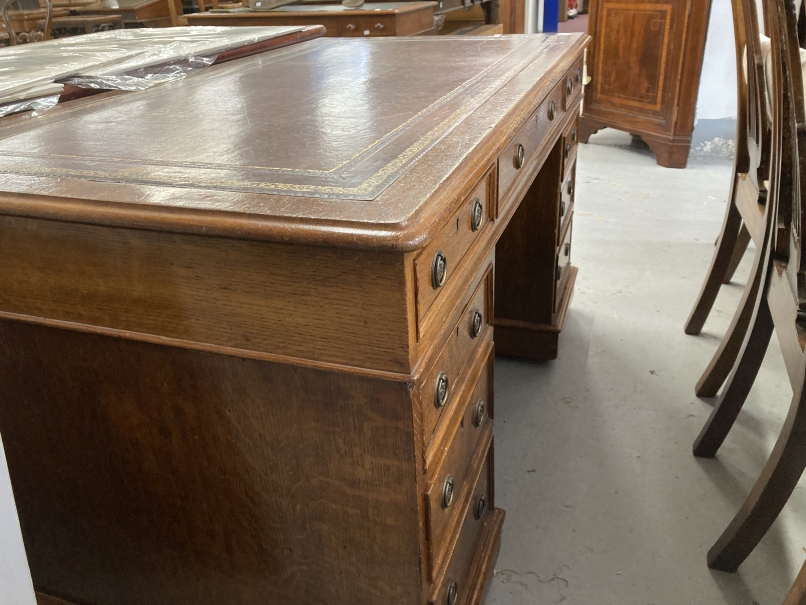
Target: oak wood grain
point(167, 476)
point(294, 301)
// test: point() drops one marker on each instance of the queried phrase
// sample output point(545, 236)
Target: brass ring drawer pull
point(568, 248)
point(439, 270)
point(562, 208)
point(379, 26)
point(552, 110)
point(559, 272)
point(578, 75)
point(441, 388)
point(569, 86)
point(574, 134)
point(447, 492)
point(350, 27)
point(479, 415)
point(476, 323)
point(570, 187)
point(520, 154)
point(567, 150)
point(452, 595)
point(481, 507)
point(476, 215)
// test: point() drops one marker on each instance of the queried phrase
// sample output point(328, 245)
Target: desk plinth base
point(482, 571)
point(539, 342)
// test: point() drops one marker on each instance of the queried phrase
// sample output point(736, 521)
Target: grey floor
point(605, 503)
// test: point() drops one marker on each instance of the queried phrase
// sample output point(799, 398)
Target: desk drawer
point(477, 512)
point(573, 83)
point(443, 381)
point(570, 144)
point(453, 462)
point(366, 27)
point(518, 161)
point(567, 193)
point(563, 262)
point(467, 224)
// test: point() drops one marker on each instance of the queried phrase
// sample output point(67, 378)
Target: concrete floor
point(605, 503)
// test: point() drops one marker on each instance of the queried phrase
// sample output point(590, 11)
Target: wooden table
point(246, 323)
point(371, 20)
point(152, 13)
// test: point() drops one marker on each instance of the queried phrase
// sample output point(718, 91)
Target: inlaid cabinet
point(644, 66)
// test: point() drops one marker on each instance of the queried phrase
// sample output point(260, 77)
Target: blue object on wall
point(551, 15)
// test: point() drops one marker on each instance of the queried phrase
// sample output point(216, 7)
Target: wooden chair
point(747, 216)
point(8, 22)
point(797, 594)
point(781, 305)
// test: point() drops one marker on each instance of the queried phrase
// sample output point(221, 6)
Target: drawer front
point(570, 144)
point(563, 263)
point(443, 381)
point(453, 469)
point(573, 83)
point(519, 159)
point(567, 194)
point(366, 27)
point(440, 262)
point(476, 513)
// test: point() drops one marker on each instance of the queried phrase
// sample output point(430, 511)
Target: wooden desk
point(246, 322)
point(152, 13)
point(371, 20)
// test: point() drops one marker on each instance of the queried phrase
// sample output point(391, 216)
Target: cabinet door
point(635, 61)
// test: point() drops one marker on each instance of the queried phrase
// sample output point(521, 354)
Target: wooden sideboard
point(379, 19)
point(644, 64)
point(246, 330)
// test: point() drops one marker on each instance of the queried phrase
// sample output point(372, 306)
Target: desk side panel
point(153, 474)
point(321, 304)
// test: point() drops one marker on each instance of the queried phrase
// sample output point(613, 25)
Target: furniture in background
point(139, 13)
point(371, 20)
point(747, 215)
point(512, 16)
point(76, 25)
point(471, 22)
point(270, 343)
point(644, 64)
point(780, 304)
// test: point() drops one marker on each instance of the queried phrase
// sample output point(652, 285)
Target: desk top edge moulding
point(364, 200)
point(248, 320)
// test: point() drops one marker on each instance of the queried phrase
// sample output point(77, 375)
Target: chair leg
point(797, 594)
point(719, 266)
point(742, 241)
point(725, 356)
point(771, 491)
point(738, 385)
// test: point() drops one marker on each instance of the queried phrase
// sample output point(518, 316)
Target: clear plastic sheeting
point(28, 105)
point(128, 59)
point(143, 78)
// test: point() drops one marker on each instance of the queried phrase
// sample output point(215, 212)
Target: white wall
point(15, 579)
point(717, 96)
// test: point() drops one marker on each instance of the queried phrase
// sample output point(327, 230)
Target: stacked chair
point(748, 214)
point(771, 100)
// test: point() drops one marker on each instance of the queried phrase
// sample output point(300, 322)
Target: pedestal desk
point(246, 319)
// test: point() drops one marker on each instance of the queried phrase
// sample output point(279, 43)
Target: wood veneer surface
point(370, 162)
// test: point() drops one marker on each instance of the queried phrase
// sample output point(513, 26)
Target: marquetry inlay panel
point(633, 58)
